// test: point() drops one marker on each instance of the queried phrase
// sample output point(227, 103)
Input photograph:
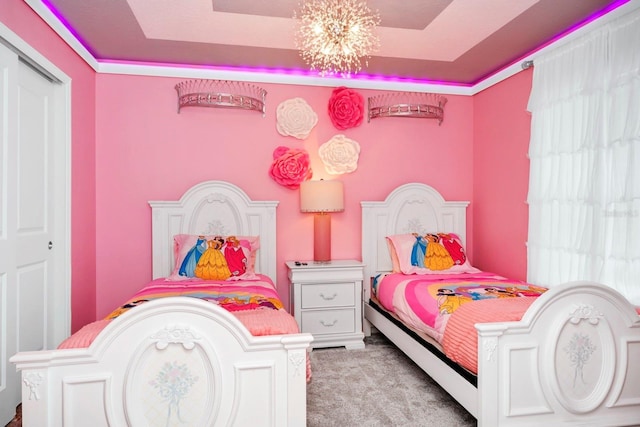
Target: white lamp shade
point(321, 196)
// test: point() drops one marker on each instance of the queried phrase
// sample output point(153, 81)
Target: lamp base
point(322, 237)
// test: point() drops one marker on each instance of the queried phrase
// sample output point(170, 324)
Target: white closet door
point(27, 209)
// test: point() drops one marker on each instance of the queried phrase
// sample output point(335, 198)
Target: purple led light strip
point(307, 73)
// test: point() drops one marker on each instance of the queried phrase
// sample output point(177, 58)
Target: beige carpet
point(377, 386)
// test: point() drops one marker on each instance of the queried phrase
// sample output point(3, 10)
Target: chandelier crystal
point(335, 36)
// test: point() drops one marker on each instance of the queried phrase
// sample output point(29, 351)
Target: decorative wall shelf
point(407, 104)
point(221, 94)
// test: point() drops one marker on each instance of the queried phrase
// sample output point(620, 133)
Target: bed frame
point(572, 360)
point(177, 361)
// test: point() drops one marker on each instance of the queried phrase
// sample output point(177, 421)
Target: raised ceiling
point(459, 42)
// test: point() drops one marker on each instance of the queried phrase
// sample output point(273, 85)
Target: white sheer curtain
point(584, 184)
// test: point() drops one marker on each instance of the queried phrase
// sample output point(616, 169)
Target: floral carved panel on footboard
point(174, 381)
point(584, 360)
point(572, 357)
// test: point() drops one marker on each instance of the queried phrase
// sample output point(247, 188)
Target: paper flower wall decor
point(295, 118)
point(340, 155)
point(346, 108)
point(290, 167)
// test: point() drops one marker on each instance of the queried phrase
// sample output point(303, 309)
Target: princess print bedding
point(255, 303)
point(231, 295)
point(428, 303)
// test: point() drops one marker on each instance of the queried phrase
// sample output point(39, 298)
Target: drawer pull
point(326, 298)
point(327, 324)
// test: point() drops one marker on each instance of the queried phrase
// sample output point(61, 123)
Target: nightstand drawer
point(326, 300)
point(328, 295)
point(329, 321)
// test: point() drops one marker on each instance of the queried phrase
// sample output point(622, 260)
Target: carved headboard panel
point(412, 207)
point(213, 207)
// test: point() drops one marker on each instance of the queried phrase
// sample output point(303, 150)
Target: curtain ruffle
point(584, 184)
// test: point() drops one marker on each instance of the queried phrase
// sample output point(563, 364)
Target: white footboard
point(173, 361)
point(574, 359)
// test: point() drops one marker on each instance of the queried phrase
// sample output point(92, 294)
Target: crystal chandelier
point(334, 36)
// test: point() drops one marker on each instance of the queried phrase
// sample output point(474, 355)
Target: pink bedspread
point(259, 319)
point(232, 295)
point(259, 322)
point(460, 342)
point(426, 302)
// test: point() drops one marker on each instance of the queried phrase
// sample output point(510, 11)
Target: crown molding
point(307, 80)
point(278, 78)
point(56, 25)
point(516, 67)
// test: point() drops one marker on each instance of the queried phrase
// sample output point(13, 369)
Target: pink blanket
point(259, 322)
point(259, 318)
point(426, 302)
point(232, 295)
point(460, 342)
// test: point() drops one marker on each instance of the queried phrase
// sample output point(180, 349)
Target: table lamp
point(321, 197)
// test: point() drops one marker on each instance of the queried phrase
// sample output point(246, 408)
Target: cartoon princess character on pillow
point(212, 264)
point(418, 250)
point(188, 266)
point(235, 256)
point(454, 248)
point(437, 257)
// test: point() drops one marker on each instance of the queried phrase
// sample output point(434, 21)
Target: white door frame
point(60, 324)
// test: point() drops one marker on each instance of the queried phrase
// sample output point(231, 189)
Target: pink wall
point(501, 129)
point(145, 151)
point(130, 146)
point(20, 19)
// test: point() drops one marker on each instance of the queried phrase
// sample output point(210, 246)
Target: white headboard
point(409, 208)
point(213, 207)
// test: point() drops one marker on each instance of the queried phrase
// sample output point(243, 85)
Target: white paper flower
point(339, 155)
point(295, 118)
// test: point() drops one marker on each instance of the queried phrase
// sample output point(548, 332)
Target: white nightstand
point(326, 301)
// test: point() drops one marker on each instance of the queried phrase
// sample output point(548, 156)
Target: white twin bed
point(183, 361)
point(526, 375)
point(177, 360)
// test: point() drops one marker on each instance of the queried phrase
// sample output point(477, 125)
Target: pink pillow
point(394, 257)
point(432, 253)
point(214, 257)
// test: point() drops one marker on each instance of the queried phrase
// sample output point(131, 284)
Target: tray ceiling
point(441, 41)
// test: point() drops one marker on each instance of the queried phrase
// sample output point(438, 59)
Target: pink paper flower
point(346, 108)
point(290, 167)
